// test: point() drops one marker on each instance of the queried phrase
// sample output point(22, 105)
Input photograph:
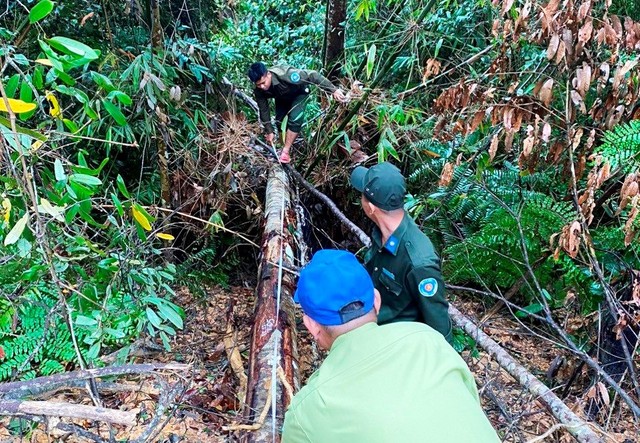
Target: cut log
point(574, 424)
point(59, 409)
point(274, 333)
point(37, 386)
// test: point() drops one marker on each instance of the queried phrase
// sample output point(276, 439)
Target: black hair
point(256, 71)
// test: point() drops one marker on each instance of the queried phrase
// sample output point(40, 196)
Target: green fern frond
point(621, 147)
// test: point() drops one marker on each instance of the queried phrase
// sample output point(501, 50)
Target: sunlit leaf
point(40, 11)
point(17, 230)
point(17, 106)
point(54, 106)
point(6, 209)
point(44, 61)
point(140, 218)
point(165, 236)
point(73, 47)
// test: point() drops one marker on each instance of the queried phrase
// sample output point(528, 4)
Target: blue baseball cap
point(330, 283)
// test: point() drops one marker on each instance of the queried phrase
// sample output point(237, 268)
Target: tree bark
point(59, 409)
point(333, 48)
point(574, 424)
point(274, 332)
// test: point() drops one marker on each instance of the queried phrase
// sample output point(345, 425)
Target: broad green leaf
point(17, 230)
point(103, 81)
point(40, 11)
point(115, 112)
point(59, 170)
point(122, 187)
point(117, 204)
point(73, 47)
point(24, 131)
point(12, 85)
point(85, 179)
point(371, 59)
point(170, 314)
point(82, 320)
point(153, 317)
point(140, 218)
point(121, 97)
point(114, 333)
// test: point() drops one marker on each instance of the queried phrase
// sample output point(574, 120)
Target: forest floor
point(207, 400)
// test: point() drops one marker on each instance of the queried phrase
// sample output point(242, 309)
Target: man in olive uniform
point(290, 88)
point(401, 261)
point(399, 382)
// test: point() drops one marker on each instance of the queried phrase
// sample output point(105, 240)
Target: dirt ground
point(206, 395)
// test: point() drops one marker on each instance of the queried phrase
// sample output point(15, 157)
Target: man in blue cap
point(402, 260)
point(400, 382)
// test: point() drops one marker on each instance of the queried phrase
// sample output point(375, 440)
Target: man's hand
point(339, 95)
point(270, 137)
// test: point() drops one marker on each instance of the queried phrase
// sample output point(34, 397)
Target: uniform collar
point(353, 334)
point(275, 81)
point(394, 240)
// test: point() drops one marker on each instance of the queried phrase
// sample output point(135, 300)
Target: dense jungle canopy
point(133, 178)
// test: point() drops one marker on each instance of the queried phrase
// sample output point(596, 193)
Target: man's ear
point(312, 326)
point(377, 301)
point(371, 208)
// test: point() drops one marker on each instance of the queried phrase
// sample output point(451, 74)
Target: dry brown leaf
point(561, 53)
point(583, 10)
point(553, 46)
point(476, 120)
point(577, 101)
point(446, 175)
point(508, 141)
point(86, 18)
point(635, 287)
point(432, 68)
point(585, 32)
point(573, 241)
point(617, 26)
point(576, 138)
point(546, 132)
point(527, 146)
point(621, 72)
point(506, 6)
point(604, 394)
point(508, 118)
point(546, 93)
point(494, 147)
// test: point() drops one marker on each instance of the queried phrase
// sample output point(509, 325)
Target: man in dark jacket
point(402, 260)
point(290, 88)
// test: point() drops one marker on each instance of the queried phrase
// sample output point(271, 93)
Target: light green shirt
point(397, 383)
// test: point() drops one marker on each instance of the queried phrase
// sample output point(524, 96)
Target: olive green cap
point(382, 184)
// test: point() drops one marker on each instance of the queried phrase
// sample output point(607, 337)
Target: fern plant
point(621, 147)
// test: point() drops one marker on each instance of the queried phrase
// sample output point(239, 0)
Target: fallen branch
point(59, 409)
point(37, 386)
point(574, 424)
point(359, 233)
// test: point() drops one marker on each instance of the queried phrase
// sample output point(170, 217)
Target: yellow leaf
point(6, 205)
point(54, 109)
point(44, 61)
point(164, 236)
point(17, 106)
point(36, 145)
point(141, 219)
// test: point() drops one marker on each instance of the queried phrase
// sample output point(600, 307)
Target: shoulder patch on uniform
point(295, 77)
point(428, 287)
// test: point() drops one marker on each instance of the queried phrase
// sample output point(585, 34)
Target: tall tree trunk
point(274, 330)
point(333, 48)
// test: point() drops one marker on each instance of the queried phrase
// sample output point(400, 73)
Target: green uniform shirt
point(287, 84)
point(406, 271)
point(398, 383)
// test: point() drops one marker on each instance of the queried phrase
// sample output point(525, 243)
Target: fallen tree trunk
point(59, 409)
point(574, 424)
point(37, 386)
point(273, 335)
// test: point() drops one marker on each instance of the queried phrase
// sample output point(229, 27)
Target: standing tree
point(333, 48)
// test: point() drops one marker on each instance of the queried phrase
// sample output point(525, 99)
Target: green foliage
point(621, 147)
